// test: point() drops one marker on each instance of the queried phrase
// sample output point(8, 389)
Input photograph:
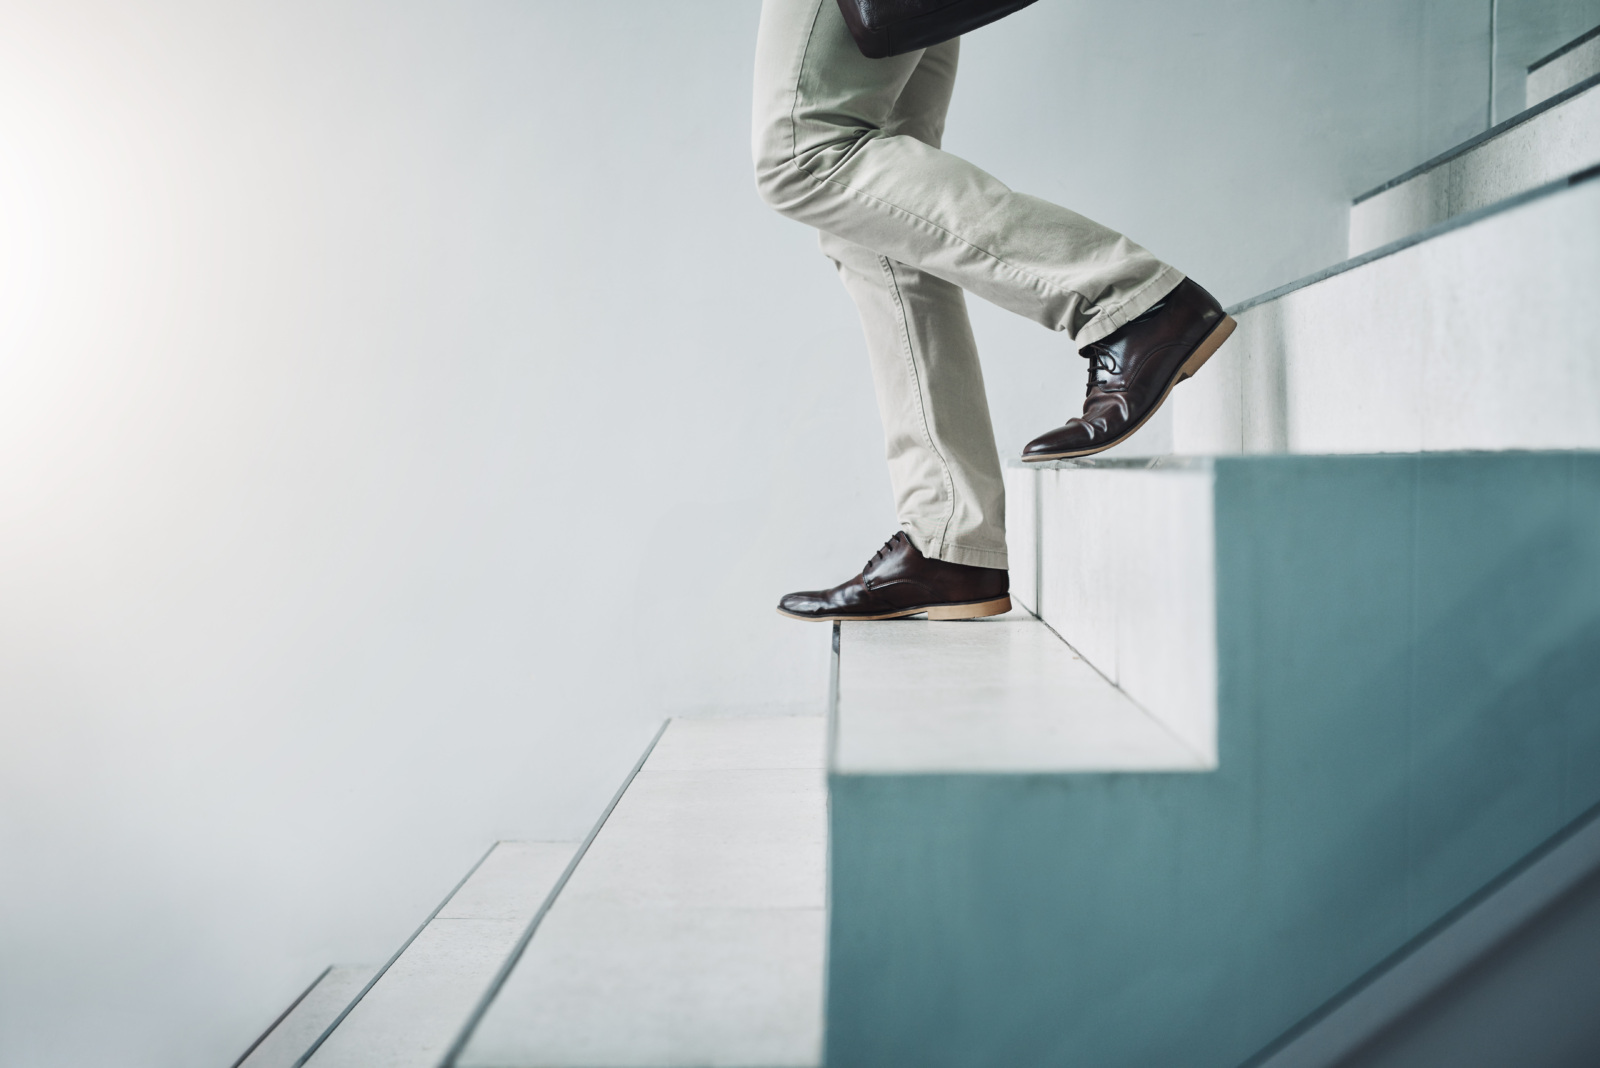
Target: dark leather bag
point(890, 27)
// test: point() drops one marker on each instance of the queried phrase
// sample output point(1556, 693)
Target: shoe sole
point(1202, 352)
point(971, 610)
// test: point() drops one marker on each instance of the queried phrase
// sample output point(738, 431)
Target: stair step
point(999, 694)
point(1403, 683)
point(1559, 137)
point(416, 1009)
point(1124, 571)
point(312, 1013)
point(1409, 350)
point(691, 932)
point(1574, 62)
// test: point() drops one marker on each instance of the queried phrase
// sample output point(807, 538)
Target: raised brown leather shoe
point(899, 581)
point(1132, 370)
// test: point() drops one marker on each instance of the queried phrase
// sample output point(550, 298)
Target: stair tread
point(1003, 694)
point(415, 1010)
point(692, 930)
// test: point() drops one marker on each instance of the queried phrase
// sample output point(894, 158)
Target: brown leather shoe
point(1132, 370)
point(900, 581)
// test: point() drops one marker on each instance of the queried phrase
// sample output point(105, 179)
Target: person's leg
point(937, 438)
point(826, 155)
point(949, 495)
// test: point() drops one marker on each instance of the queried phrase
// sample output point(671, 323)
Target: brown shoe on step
point(1132, 370)
point(899, 581)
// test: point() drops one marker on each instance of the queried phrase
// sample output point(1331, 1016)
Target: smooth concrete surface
point(1126, 566)
point(692, 931)
point(1414, 351)
point(1022, 526)
point(1002, 694)
point(1556, 142)
point(418, 1007)
point(303, 1024)
point(1573, 65)
point(1407, 694)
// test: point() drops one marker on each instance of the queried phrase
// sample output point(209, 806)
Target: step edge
point(1525, 115)
point(1455, 222)
point(1571, 46)
point(464, 1037)
point(366, 989)
point(282, 1016)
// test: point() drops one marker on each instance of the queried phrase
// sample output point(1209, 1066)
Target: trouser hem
point(951, 553)
point(1143, 299)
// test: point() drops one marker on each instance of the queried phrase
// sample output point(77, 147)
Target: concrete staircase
point(1290, 756)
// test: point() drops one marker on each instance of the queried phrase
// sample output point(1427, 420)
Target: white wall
point(403, 406)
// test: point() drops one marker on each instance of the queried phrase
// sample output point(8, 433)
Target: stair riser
point(1479, 339)
point(1126, 570)
point(1022, 542)
point(1563, 72)
point(1551, 145)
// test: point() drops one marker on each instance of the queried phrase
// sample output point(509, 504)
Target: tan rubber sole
point(977, 610)
point(1202, 352)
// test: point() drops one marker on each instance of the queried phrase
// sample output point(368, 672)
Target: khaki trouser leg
point(948, 492)
point(849, 145)
point(942, 461)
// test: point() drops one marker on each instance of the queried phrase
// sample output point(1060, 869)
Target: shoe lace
point(888, 547)
point(1101, 361)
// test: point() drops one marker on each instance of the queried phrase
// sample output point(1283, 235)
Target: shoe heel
point(997, 607)
point(1203, 352)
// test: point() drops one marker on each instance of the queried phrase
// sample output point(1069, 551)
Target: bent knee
point(791, 181)
point(782, 183)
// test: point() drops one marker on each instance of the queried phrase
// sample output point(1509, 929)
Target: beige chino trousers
point(850, 145)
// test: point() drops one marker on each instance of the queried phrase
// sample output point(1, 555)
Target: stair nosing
point(282, 1016)
point(1473, 142)
point(339, 1020)
point(470, 1027)
point(1575, 43)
